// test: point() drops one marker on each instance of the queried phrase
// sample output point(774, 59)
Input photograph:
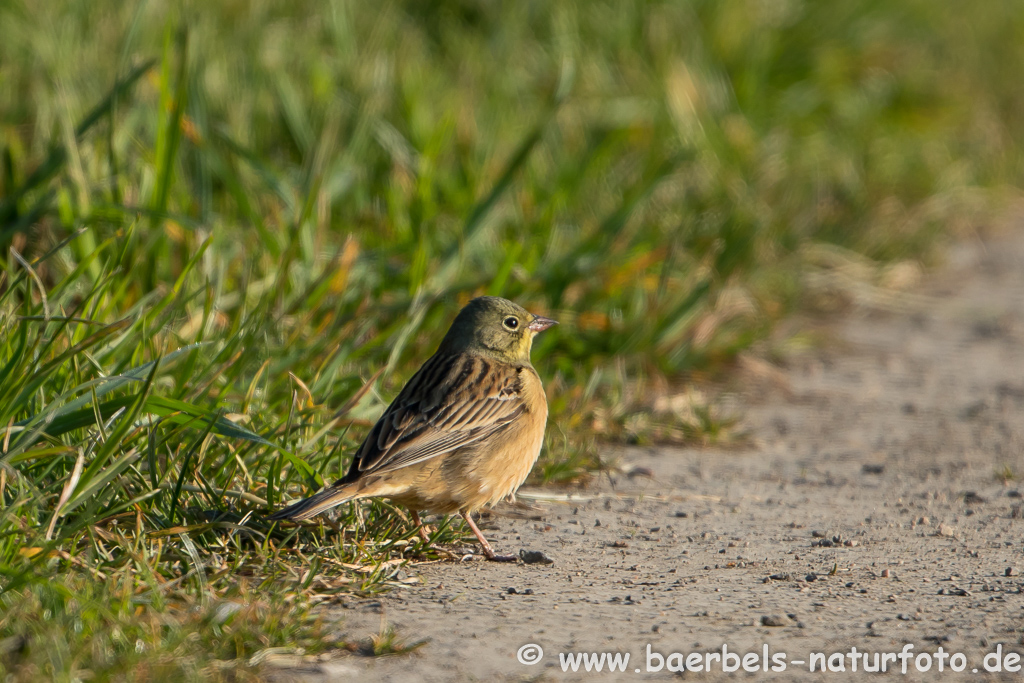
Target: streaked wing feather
point(451, 402)
point(434, 448)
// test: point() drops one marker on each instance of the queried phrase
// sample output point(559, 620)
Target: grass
point(219, 222)
point(79, 628)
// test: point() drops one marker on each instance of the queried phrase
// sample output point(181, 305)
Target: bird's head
point(496, 327)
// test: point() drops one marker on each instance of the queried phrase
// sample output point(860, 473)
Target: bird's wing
point(451, 402)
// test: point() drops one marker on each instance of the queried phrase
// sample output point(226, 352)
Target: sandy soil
point(869, 510)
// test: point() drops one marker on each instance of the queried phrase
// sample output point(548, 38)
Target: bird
point(463, 433)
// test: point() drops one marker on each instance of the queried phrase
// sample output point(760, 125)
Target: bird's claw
point(502, 558)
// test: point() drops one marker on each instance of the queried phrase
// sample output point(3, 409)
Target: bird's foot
point(493, 557)
point(484, 545)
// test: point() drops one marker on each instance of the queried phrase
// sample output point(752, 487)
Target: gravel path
point(875, 507)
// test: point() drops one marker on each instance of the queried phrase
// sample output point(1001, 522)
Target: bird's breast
point(497, 466)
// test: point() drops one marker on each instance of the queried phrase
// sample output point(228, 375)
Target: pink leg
point(422, 530)
point(488, 551)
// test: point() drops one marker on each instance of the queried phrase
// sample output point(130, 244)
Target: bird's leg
point(488, 550)
point(422, 530)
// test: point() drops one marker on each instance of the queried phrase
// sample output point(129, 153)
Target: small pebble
point(811, 577)
point(1010, 571)
point(774, 620)
point(885, 573)
point(945, 530)
point(534, 557)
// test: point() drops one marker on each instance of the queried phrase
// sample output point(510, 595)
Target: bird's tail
point(314, 505)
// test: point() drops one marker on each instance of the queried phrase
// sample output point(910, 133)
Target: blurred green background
point(310, 190)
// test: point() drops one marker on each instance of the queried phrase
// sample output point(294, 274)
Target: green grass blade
point(58, 154)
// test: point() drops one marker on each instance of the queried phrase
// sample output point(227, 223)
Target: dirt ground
point(876, 505)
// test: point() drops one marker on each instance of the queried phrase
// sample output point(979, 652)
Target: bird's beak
point(540, 323)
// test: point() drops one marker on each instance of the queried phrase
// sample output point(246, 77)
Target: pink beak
point(540, 323)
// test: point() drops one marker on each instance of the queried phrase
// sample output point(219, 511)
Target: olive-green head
point(496, 327)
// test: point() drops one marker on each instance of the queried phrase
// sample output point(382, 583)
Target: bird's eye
point(511, 323)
